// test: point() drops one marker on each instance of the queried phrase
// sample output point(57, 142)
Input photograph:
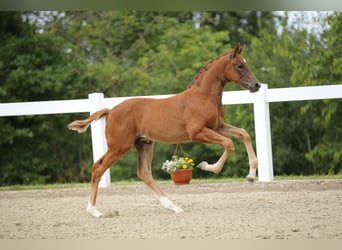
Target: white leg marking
point(169, 204)
point(217, 167)
point(93, 211)
point(214, 168)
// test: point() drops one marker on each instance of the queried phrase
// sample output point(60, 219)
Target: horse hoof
point(178, 210)
point(250, 179)
point(169, 205)
point(93, 211)
point(202, 165)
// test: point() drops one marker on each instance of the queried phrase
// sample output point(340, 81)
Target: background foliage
point(67, 55)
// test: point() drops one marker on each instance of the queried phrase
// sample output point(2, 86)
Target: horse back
point(156, 119)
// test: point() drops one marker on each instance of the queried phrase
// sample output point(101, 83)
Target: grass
point(134, 182)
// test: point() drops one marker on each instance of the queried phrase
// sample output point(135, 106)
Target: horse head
point(237, 70)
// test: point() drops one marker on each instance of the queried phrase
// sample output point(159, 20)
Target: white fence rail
point(260, 101)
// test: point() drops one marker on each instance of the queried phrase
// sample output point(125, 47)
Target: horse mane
point(205, 68)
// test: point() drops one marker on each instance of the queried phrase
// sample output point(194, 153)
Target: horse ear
point(241, 48)
point(237, 50)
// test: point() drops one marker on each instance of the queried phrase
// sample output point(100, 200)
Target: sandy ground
point(275, 210)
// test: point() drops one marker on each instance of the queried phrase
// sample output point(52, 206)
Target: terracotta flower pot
point(181, 177)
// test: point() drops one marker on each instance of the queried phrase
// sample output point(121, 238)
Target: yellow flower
point(184, 166)
point(190, 160)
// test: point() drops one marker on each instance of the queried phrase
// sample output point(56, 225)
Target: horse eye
point(240, 66)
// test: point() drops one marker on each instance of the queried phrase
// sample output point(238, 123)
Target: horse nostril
point(257, 85)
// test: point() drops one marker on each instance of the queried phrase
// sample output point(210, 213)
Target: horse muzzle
point(254, 87)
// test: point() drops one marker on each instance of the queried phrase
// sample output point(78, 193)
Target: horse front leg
point(217, 167)
point(230, 131)
point(145, 155)
point(210, 136)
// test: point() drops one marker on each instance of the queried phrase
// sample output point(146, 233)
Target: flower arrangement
point(178, 163)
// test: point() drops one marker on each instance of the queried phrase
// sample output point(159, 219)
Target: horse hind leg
point(99, 167)
point(144, 171)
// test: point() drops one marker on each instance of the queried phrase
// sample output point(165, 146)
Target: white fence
point(260, 101)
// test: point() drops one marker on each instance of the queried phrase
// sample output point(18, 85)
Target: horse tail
point(81, 125)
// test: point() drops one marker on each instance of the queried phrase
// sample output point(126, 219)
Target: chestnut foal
point(195, 114)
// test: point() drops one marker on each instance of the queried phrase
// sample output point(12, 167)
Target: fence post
point(98, 135)
point(263, 134)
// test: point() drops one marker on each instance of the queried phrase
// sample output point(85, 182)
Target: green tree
point(36, 67)
point(239, 25)
point(303, 133)
point(321, 64)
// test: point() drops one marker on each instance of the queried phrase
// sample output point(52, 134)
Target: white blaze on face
point(244, 59)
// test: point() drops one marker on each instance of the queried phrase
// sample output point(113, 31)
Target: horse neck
point(211, 80)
